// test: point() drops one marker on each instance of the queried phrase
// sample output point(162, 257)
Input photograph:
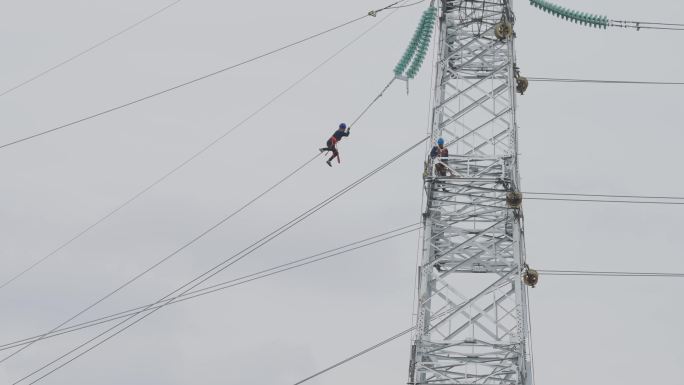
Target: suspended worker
point(439, 151)
point(331, 144)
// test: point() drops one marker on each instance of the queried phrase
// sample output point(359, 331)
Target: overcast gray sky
point(573, 138)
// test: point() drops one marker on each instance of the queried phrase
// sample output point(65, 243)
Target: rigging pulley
point(503, 30)
point(530, 276)
point(514, 199)
point(522, 82)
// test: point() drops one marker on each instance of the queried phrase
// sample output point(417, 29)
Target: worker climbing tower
point(472, 314)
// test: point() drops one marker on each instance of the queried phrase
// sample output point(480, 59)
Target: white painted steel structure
point(472, 315)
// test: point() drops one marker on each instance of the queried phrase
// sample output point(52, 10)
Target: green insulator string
point(571, 15)
point(423, 48)
point(410, 51)
point(417, 49)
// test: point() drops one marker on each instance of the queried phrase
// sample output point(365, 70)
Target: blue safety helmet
point(343, 126)
point(440, 141)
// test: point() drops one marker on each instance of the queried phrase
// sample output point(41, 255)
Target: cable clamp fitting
point(373, 13)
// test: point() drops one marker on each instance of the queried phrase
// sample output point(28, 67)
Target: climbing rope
point(372, 13)
point(200, 279)
point(371, 103)
point(413, 56)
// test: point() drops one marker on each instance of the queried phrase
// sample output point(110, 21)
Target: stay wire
point(89, 49)
point(318, 257)
point(166, 258)
point(195, 80)
point(193, 156)
point(213, 271)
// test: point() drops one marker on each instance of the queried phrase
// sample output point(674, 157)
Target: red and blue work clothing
point(439, 151)
point(332, 143)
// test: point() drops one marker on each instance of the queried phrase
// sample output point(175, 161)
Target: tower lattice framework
point(472, 313)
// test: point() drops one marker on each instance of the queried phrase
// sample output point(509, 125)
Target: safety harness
point(333, 142)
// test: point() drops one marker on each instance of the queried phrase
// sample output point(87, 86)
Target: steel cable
point(166, 258)
point(318, 257)
point(181, 248)
point(91, 48)
point(607, 201)
point(304, 262)
point(609, 273)
point(211, 272)
point(195, 80)
point(406, 331)
point(192, 157)
point(371, 103)
point(502, 199)
point(599, 81)
point(606, 195)
point(367, 350)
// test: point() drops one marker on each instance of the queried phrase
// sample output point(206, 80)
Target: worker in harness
point(439, 151)
point(331, 144)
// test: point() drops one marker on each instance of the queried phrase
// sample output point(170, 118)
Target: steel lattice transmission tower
point(472, 313)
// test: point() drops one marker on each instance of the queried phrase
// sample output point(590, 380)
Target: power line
point(656, 23)
point(368, 350)
point(406, 5)
point(89, 49)
point(301, 262)
point(643, 198)
point(193, 156)
point(213, 271)
point(407, 331)
point(605, 195)
point(607, 201)
point(357, 355)
point(662, 28)
point(587, 273)
point(638, 25)
point(166, 258)
point(599, 81)
point(203, 77)
point(190, 242)
point(295, 264)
